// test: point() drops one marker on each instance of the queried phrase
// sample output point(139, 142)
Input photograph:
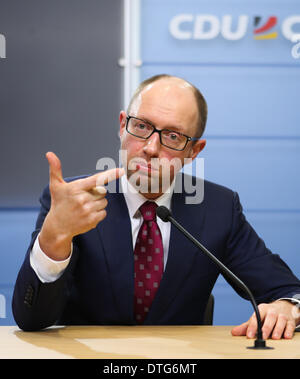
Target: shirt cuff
point(47, 269)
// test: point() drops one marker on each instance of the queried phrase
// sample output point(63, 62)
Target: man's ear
point(196, 148)
point(122, 119)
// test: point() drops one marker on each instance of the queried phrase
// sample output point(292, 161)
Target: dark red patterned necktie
point(148, 262)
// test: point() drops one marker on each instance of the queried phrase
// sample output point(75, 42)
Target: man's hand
point(76, 208)
point(279, 320)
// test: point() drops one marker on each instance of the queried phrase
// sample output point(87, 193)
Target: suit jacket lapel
point(115, 232)
point(180, 256)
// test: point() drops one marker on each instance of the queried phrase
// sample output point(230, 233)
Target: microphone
point(165, 215)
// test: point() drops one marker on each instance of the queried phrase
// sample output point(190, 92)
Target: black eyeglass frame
point(188, 138)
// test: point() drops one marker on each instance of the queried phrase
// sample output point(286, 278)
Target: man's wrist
point(55, 245)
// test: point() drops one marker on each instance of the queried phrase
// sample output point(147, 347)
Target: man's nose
point(152, 145)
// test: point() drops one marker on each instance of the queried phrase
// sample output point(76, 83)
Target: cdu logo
point(232, 28)
point(265, 31)
point(2, 46)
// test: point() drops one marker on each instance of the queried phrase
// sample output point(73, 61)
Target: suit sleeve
point(265, 273)
point(37, 305)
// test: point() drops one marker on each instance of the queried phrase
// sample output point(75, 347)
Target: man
point(103, 258)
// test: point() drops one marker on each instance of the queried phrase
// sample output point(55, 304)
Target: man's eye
point(172, 136)
point(141, 126)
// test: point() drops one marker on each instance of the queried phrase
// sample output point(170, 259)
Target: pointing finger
point(99, 180)
point(108, 176)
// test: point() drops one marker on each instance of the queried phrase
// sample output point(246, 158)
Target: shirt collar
point(134, 199)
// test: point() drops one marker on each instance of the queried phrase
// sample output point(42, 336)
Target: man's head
point(200, 100)
point(172, 105)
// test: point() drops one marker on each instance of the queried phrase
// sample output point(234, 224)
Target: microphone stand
point(165, 215)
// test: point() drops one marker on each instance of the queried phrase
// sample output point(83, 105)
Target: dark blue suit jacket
point(98, 285)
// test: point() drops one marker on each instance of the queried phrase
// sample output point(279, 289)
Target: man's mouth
point(144, 166)
point(148, 168)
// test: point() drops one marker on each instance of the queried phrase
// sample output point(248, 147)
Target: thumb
point(240, 330)
point(55, 171)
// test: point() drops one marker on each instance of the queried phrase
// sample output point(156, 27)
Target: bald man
point(100, 257)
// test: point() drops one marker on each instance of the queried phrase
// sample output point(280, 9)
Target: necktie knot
point(148, 211)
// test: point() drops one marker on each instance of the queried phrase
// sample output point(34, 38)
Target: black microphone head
point(163, 213)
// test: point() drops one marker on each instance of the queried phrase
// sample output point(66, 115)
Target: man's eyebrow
point(170, 127)
point(145, 119)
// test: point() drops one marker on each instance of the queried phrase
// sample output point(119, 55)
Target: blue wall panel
point(242, 100)
point(16, 227)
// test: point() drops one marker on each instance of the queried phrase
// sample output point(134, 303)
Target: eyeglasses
point(169, 138)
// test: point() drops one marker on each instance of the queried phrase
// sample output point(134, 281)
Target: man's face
point(167, 104)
